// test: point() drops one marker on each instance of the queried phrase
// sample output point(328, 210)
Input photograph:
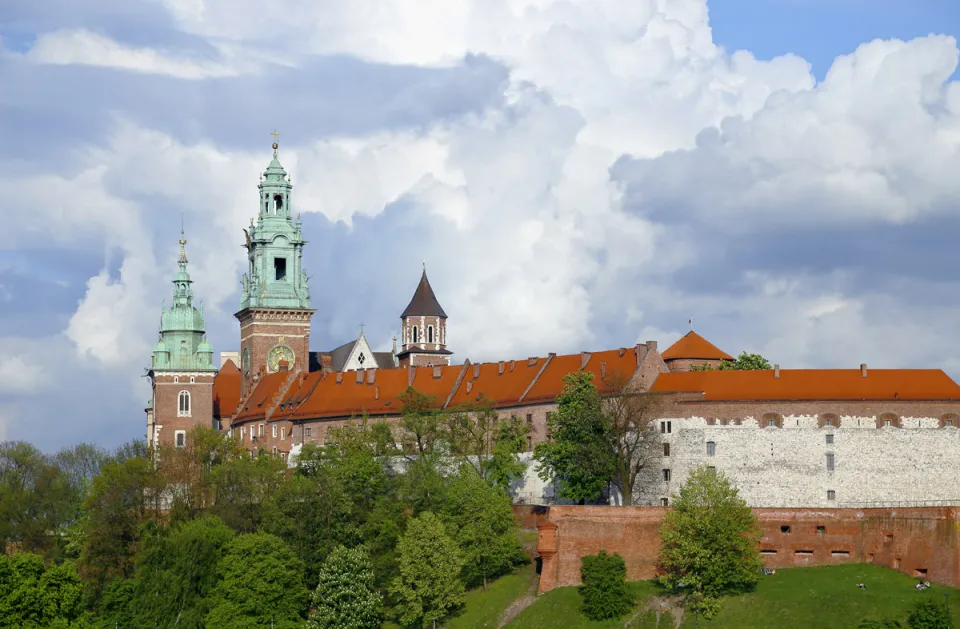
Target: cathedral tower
point(182, 368)
point(275, 303)
point(424, 331)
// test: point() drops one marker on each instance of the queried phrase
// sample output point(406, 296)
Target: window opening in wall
point(830, 462)
point(274, 432)
point(785, 529)
point(771, 422)
point(529, 443)
point(416, 335)
point(711, 469)
point(666, 474)
point(887, 422)
point(888, 538)
point(429, 334)
point(176, 379)
point(828, 422)
point(260, 430)
point(920, 572)
point(183, 404)
point(831, 494)
point(666, 449)
point(274, 450)
point(283, 433)
point(870, 558)
point(665, 427)
point(283, 456)
point(277, 203)
point(768, 552)
point(842, 554)
point(180, 439)
point(803, 553)
point(529, 418)
point(711, 448)
point(309, 432)
point(829, 439)
point(821, 530)
point(949, 422)
point(193, 380)
point(896, 563)
point(280, 268)
point(664, 502)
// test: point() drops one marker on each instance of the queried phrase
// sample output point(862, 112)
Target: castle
point(787, 438)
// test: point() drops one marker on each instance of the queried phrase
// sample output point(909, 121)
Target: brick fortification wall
point(910, 540)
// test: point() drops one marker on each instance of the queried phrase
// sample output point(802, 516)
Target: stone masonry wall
point(922, 542)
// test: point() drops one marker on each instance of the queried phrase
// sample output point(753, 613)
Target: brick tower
point(424, 332)
point(275, 303)
point(181, 371)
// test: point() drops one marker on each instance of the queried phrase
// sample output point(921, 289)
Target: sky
point(576, 175)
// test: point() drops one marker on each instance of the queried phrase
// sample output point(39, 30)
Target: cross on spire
point(362, 325)
point(275, 145)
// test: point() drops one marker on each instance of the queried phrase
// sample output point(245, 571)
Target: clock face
point(246, 361)
point(279, 353)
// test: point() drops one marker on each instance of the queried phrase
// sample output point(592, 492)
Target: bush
point(928, 614)
point(604, 588)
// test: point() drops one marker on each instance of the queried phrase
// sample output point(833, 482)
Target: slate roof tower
point(424, 329)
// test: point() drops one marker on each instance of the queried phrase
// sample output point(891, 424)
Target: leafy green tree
point(490, 445)
point(481, 520)
point(744, 362)
point(261, 582)
point(928, 613)
point(242, 486)
point(345, 597)
point(709, 541)
point(177, 572)
point(32, 597)
point(604, 588)
point(580, 458)
point(421, 421)
point(429, 585)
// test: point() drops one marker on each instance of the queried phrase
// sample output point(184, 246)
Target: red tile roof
point(226, 390)
point(813, 384)
point(501, 389)
point(693, 346)
point(256, 405)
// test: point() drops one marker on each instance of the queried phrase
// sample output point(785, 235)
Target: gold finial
point(275, 136)
point(183, 240)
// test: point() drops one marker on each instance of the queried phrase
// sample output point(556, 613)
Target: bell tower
point(424, 331)
point(275, 306)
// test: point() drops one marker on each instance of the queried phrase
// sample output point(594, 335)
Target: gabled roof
point(694, 346)
point(262, 396)
point(226, 390)
point(424, 302)
point(813, 384)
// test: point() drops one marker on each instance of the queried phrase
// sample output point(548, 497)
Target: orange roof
point(617, 365)
point(226, 390)
point(692, 345)
point(813, 384)
point(258, 401)
point(503, 389)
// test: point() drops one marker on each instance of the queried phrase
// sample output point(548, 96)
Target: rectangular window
point(711, 469)
point(529, 418)
point(666, 475)
point(771, 422)
point(665, 427)
point(821, 530)
point(831, 494)
point(283, 434)
point(887, 422)
point(664, 502)
point(529, 443)
point(274, 435)
point(666, 449)
point(828, 422)
point(181, 438)
point(711, 448)
point(830, 462)
point(280, 268)
point(829, 439)
point(260, 430)
point(274, 450)
point(283, 456)
point(309, 432)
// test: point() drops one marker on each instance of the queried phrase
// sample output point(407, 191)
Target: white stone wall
point(787, 467)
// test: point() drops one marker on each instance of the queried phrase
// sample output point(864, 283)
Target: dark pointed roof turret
point(424, 302)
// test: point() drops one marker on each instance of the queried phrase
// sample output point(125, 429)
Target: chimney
point(326, 363)
point(437, 371)
point(371, 376)
point(532, 361)
point(641, 351)
point(359, 376)
point(469, 386)
point(651, 346)
point(376, 392)
point(552, 355)
point(500, 368)
point(623, 350)
point(863, 370)
point(411, 375)
point(584, 359)
point(513, 364)
point(776, 371)
point(476, 371)
point(603, 370)
point(339, 377)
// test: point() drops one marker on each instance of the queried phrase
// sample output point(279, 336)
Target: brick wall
point(262, 329)
point(909, 540)
point(166, 394)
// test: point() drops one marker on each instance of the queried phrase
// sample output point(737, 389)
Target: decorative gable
point(361, 356)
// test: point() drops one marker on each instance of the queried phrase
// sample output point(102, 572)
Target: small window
point(176, 379)
point(666, 475)
point(840, 554)
point(828, 422)
point(309, 432)
point(180, 439)
point(529, 418)
point(887, 422)
point(665, 427)
point(429, 334)
point(666, 449)
point(711, 448)
point(283, 456)
point(949, 422)
point(831, 494)
point(260, 430)
point(785, 529)
point(711, 469)
point(529, 443)
point(830, 462)
point(920, 573)
point(274, 435)
point(277, 203)
point(821, 530)
point(769, 552)
point(280, 268)
point(193, 380)
point(771, 423)
point(283, 434)
point(829, 439)
point(183, 404)
point(274, 450)
point(803, 553)
point(664, 502)
point(416, 335)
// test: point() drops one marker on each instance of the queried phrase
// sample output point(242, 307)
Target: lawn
point(483, 609)
point(796, 598)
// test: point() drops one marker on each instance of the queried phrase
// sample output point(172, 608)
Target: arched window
point(176, 379)
point(771, 420)
point(192, 379)
point(183, 404)
point(416, 335)
point(429, 334)
point(277, 203)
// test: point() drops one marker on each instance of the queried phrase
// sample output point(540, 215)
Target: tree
point(345, 597)
point(33, 597)
point(632, 418)
point(261, 582)
point(242, 486)
point(709, 541)
point(743, 362)
point(580, 458)
point(421, 421)
point(487, 443)
point(604, 588)
point(481, 519)
point(928, 613)
point(429, 585)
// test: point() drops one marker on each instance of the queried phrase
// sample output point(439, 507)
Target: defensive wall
point(919, 541)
